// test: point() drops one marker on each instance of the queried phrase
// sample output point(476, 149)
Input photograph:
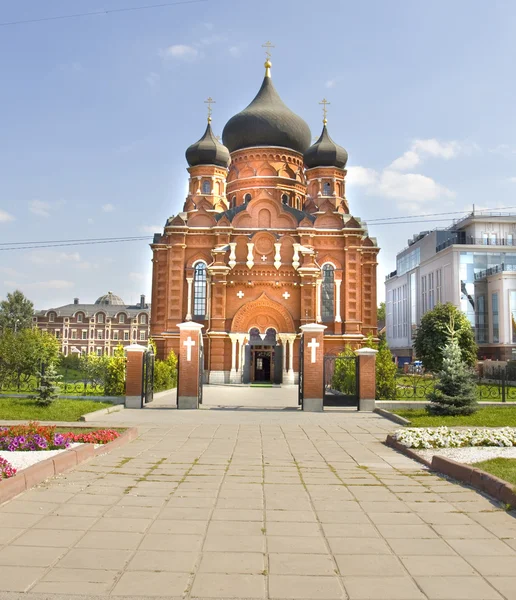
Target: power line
point(102, 12)
point(39, 245)
point(457, 212)
point(134, 237)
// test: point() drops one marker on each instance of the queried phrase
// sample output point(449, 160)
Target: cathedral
point(265, 243)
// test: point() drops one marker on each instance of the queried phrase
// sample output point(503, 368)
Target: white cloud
point(421, 149)
point(504, 149)
point(234, 51)
point(51, 284)
point(49, 257)
point(10, 271)
point(5, 217)
point(331, 83)
point(362, 176)
point(40, 208)
point(151, 228)
point(180, 52)
point(90, 221)
point(108, 207)
point(511, 179)
point(153, 79)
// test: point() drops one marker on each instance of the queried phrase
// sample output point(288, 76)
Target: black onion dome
point(208, 151)
point(267, 121)
point(325, 153)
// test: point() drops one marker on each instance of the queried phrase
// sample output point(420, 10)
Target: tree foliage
point(344, 373)
point(114, 384)
point(380, 312)
point(23, 352)
point(48, 388)
point(165, 373)
point(16, 312)
point(455, 391)
point(385, 373)
point(434, 333)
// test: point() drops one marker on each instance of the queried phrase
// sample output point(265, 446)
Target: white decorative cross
point(264, 258)
point(313, 345)
point(286, 295)
point(240, 294)
point(189, 343)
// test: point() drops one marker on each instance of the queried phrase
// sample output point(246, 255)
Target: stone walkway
point(255, 504)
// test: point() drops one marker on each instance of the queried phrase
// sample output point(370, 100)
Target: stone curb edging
point(64, 461)
point(393, 443)
point(476, 478)
point(99, 413)
point(391, 416)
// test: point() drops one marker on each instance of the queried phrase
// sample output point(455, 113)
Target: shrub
point(165, 373)
point(115, 373)
point(344, 375)
point(385, 373)
point(6, 469)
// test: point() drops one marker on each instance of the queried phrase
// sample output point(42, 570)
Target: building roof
point(68, 310)
point(111, 299)
point(267, 121)
point(325, 153)
point(208, 151)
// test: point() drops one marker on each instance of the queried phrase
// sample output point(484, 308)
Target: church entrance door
point(264, 358)
point(261, 366)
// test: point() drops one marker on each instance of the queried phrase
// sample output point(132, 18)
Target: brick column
point(366, 379)
point(313, 366)
point(133, 376)
point(189, 340)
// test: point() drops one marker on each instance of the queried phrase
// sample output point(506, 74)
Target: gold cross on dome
point(325, 103)
point(268, 47)
point(209, 101)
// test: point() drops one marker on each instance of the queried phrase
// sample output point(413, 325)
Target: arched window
point(233, 202)
point(100, 318)
point(328, 293)
point(199, 309)
point(206, 187)
point(247, 198)
point(284, 199)
point(143, 319)
point(327, 189)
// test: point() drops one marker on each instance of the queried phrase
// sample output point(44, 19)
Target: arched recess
point(264, 218)
point(267, 170)
point(262, 313)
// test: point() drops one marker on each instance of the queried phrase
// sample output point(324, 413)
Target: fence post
point(504, 386)
point(188, 387)
point(134, 376)
point(313, 366)
point(366, 379)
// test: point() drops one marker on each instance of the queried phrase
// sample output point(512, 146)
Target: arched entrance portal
point(264, 358)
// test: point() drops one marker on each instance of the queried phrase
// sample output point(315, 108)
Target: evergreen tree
point(48, 389)
point(344, 374)
point(455, 391)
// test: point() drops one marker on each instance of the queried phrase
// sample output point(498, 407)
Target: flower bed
point(6, 469)
point(101, 436)
point(444, 437)
point(31, 437)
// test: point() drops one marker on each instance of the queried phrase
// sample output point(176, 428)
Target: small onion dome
point(208, 151)
point(325, 153)
point(267, 121)
point(111, 299)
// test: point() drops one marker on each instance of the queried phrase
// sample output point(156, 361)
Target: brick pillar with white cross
point(366, 379)
point(133, 376)
point(313, 366)
point(189, 367)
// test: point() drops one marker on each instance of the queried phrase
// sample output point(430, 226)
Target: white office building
point(471, 264)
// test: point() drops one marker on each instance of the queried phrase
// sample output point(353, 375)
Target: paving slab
point(251, 503)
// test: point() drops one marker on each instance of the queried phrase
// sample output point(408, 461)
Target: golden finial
point(325, 103)
point(209, 102)
point(268, 63)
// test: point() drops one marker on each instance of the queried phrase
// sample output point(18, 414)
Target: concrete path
point(255, 504)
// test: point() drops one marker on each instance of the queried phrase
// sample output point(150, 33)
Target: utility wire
point(457, 212)
point(101, 12)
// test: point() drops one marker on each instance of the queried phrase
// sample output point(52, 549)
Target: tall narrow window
point(284, 199)
point(496, 322)
point(247, 198)
point(200, 290)
point(510, 239)
point(328, 293)
point(327, 189)
point(206, 187)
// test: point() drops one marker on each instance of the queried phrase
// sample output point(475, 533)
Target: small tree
point(385, 373)
point(434, 333)
point(455, 391)
point(48, 389)
point(344, 374)
point(172, 365)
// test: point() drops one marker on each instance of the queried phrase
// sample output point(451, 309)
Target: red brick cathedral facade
point(265, 243)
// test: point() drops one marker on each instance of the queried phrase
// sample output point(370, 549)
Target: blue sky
point(96, 113)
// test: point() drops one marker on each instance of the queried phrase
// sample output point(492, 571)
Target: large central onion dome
point(325, 152)
point(267, 121)
point(208, 151)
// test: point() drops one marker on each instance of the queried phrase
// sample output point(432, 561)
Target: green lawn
point(504, 468)
point(484, 417)
point(59, 410)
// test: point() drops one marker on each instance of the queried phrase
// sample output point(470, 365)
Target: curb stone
point(64, 461)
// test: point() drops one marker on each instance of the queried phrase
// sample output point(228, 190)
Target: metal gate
point(301, 373)
point(340, 381)
point(147, 377)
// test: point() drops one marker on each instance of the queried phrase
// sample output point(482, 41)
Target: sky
point(96, 113)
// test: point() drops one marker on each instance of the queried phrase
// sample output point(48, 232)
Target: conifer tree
point(48, 389)
point(455, 391)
